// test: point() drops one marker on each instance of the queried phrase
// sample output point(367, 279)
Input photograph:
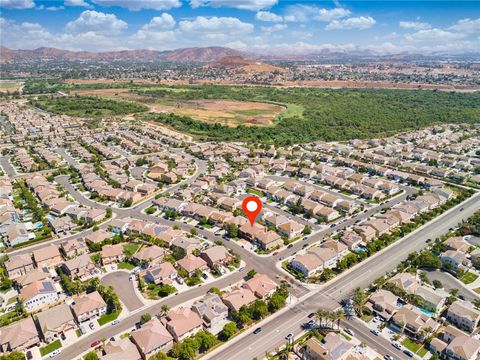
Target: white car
point(55, 353)
point(289, 337)
point(375, 332)
point(396, 345)
point(115, 322)
point(349, 331)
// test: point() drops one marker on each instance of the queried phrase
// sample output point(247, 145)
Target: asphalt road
point(450, 282)
point(83, 344)
point(7, 167)
point(274, 330)
point(124, 289)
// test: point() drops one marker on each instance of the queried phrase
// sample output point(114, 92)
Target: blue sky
point(280, 26)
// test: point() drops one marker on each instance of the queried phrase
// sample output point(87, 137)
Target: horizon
point(253, 26)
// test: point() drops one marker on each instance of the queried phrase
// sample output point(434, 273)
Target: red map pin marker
point(251, 207)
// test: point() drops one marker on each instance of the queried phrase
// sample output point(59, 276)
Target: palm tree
point(320, 316)
point(359, 299)
point(340, 316)
point(164, 310)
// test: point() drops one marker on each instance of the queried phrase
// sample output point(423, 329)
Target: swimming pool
point(428, 312)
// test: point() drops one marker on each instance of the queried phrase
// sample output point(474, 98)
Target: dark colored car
point(408, 353)
point(257, 330)
point(311, 315)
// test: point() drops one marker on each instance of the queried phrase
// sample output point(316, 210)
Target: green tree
point(229, 329)
point(92, 355)
point(145, 318)
point(205, 340)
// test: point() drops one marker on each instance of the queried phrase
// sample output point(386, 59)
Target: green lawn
point(468, 278)
point(102, 320)
point(130, 249)
point(125, 265)
point(414, 347)
point(12, 300)
point(50, 347)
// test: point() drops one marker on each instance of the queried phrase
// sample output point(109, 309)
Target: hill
point(243, 64)
point(197, 54)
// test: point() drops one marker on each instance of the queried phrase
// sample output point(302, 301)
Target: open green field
point(88, 106)
point(308, 114)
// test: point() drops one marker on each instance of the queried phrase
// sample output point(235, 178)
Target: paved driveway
point(124, 289)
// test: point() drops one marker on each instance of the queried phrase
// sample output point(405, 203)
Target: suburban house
point(151, 338)
point(261, 285)
point(163, 273)
point(238, 298)
point(455, 260)
point(150, 254)
point(269, 240)
point(48, 256)
point(212, 311)
point(463, 315)
point(291, 229)
point(19, 265)
point(191, 264)
point(120, 349)
point(74, 247)
point(55, 322)
point(88, 306)
point(183, 322)
point(413, 321)
point(383, 303)
point(333, 347)
point(112, 254)
point(98, 236)
point(81, 267)
point(216, 255)
point(19, 336)
point(39, 294)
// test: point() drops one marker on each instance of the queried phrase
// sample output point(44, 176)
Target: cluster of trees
point(75, 287)
point(259, 309)
point(329, 114)
point(88, 106)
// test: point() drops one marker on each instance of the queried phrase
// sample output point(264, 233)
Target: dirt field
point(121, 93)
point(10, 85)
point(225, 112)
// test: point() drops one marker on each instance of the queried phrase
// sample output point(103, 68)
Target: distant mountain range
point(208, 55)
point(203, 54)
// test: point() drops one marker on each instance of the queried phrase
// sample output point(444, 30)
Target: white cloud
point(17, 4)
point(433, 35)
point(415, 25)
point(467, 26)
point(360, 22)
point(97, 22)
point(155, 33)
point(136, 5)
point(276, 27)
point(54, 8)
point(238, 45)
point(82, 3)
point(162, 22)
point(215, 27)
point(268, 16)
point(332, 14)
point(253, 5)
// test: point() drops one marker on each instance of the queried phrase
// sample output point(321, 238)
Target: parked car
point(408, 353)
point(311, 315)
point(289, 246)
point(289, 336)
point(115, 322)
point(275, 253)
point(311, 323)
point(205, 276)
point(55, 353)
point(95, 343)
point(91, 325)
point(349, 331)
point(375, 332)
point(396, 345)
point(257, 330)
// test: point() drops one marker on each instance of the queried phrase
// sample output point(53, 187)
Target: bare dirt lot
point(225, 112)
